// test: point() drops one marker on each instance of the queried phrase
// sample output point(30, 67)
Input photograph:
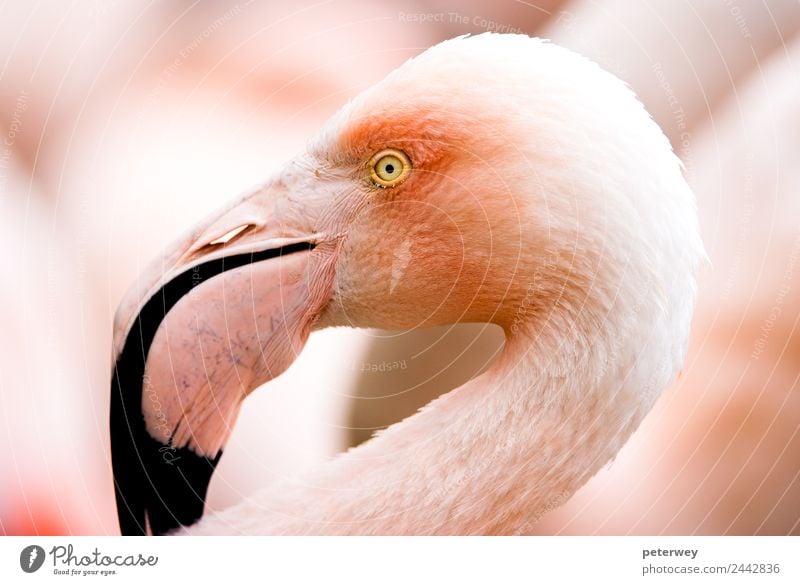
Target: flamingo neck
point(492, 456)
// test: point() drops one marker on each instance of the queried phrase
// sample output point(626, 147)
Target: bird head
point(490, 179)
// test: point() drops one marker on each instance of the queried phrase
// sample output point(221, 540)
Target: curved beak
point(224, 310)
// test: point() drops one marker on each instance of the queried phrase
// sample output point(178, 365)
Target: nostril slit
point(224, 239)
point(228, 237)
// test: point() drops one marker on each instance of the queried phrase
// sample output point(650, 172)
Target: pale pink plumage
point(543, 199)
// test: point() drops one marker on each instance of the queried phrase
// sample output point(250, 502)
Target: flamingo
point(493, 178)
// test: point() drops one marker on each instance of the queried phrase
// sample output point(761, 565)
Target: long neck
point(490, 457)
point(584, 360)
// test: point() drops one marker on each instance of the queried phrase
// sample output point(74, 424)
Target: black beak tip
point(159, 487)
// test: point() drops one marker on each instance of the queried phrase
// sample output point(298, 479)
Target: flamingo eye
point(389, 168)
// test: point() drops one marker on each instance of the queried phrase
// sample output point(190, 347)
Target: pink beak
point(224, 310)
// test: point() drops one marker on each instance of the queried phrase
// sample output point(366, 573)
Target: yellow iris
point(389, 168)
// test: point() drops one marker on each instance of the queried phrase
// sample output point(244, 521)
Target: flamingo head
point(495, 178)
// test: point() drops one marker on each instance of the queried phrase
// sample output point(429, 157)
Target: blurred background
point(123, 123)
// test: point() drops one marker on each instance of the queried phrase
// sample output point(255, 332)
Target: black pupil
point(390, 168)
